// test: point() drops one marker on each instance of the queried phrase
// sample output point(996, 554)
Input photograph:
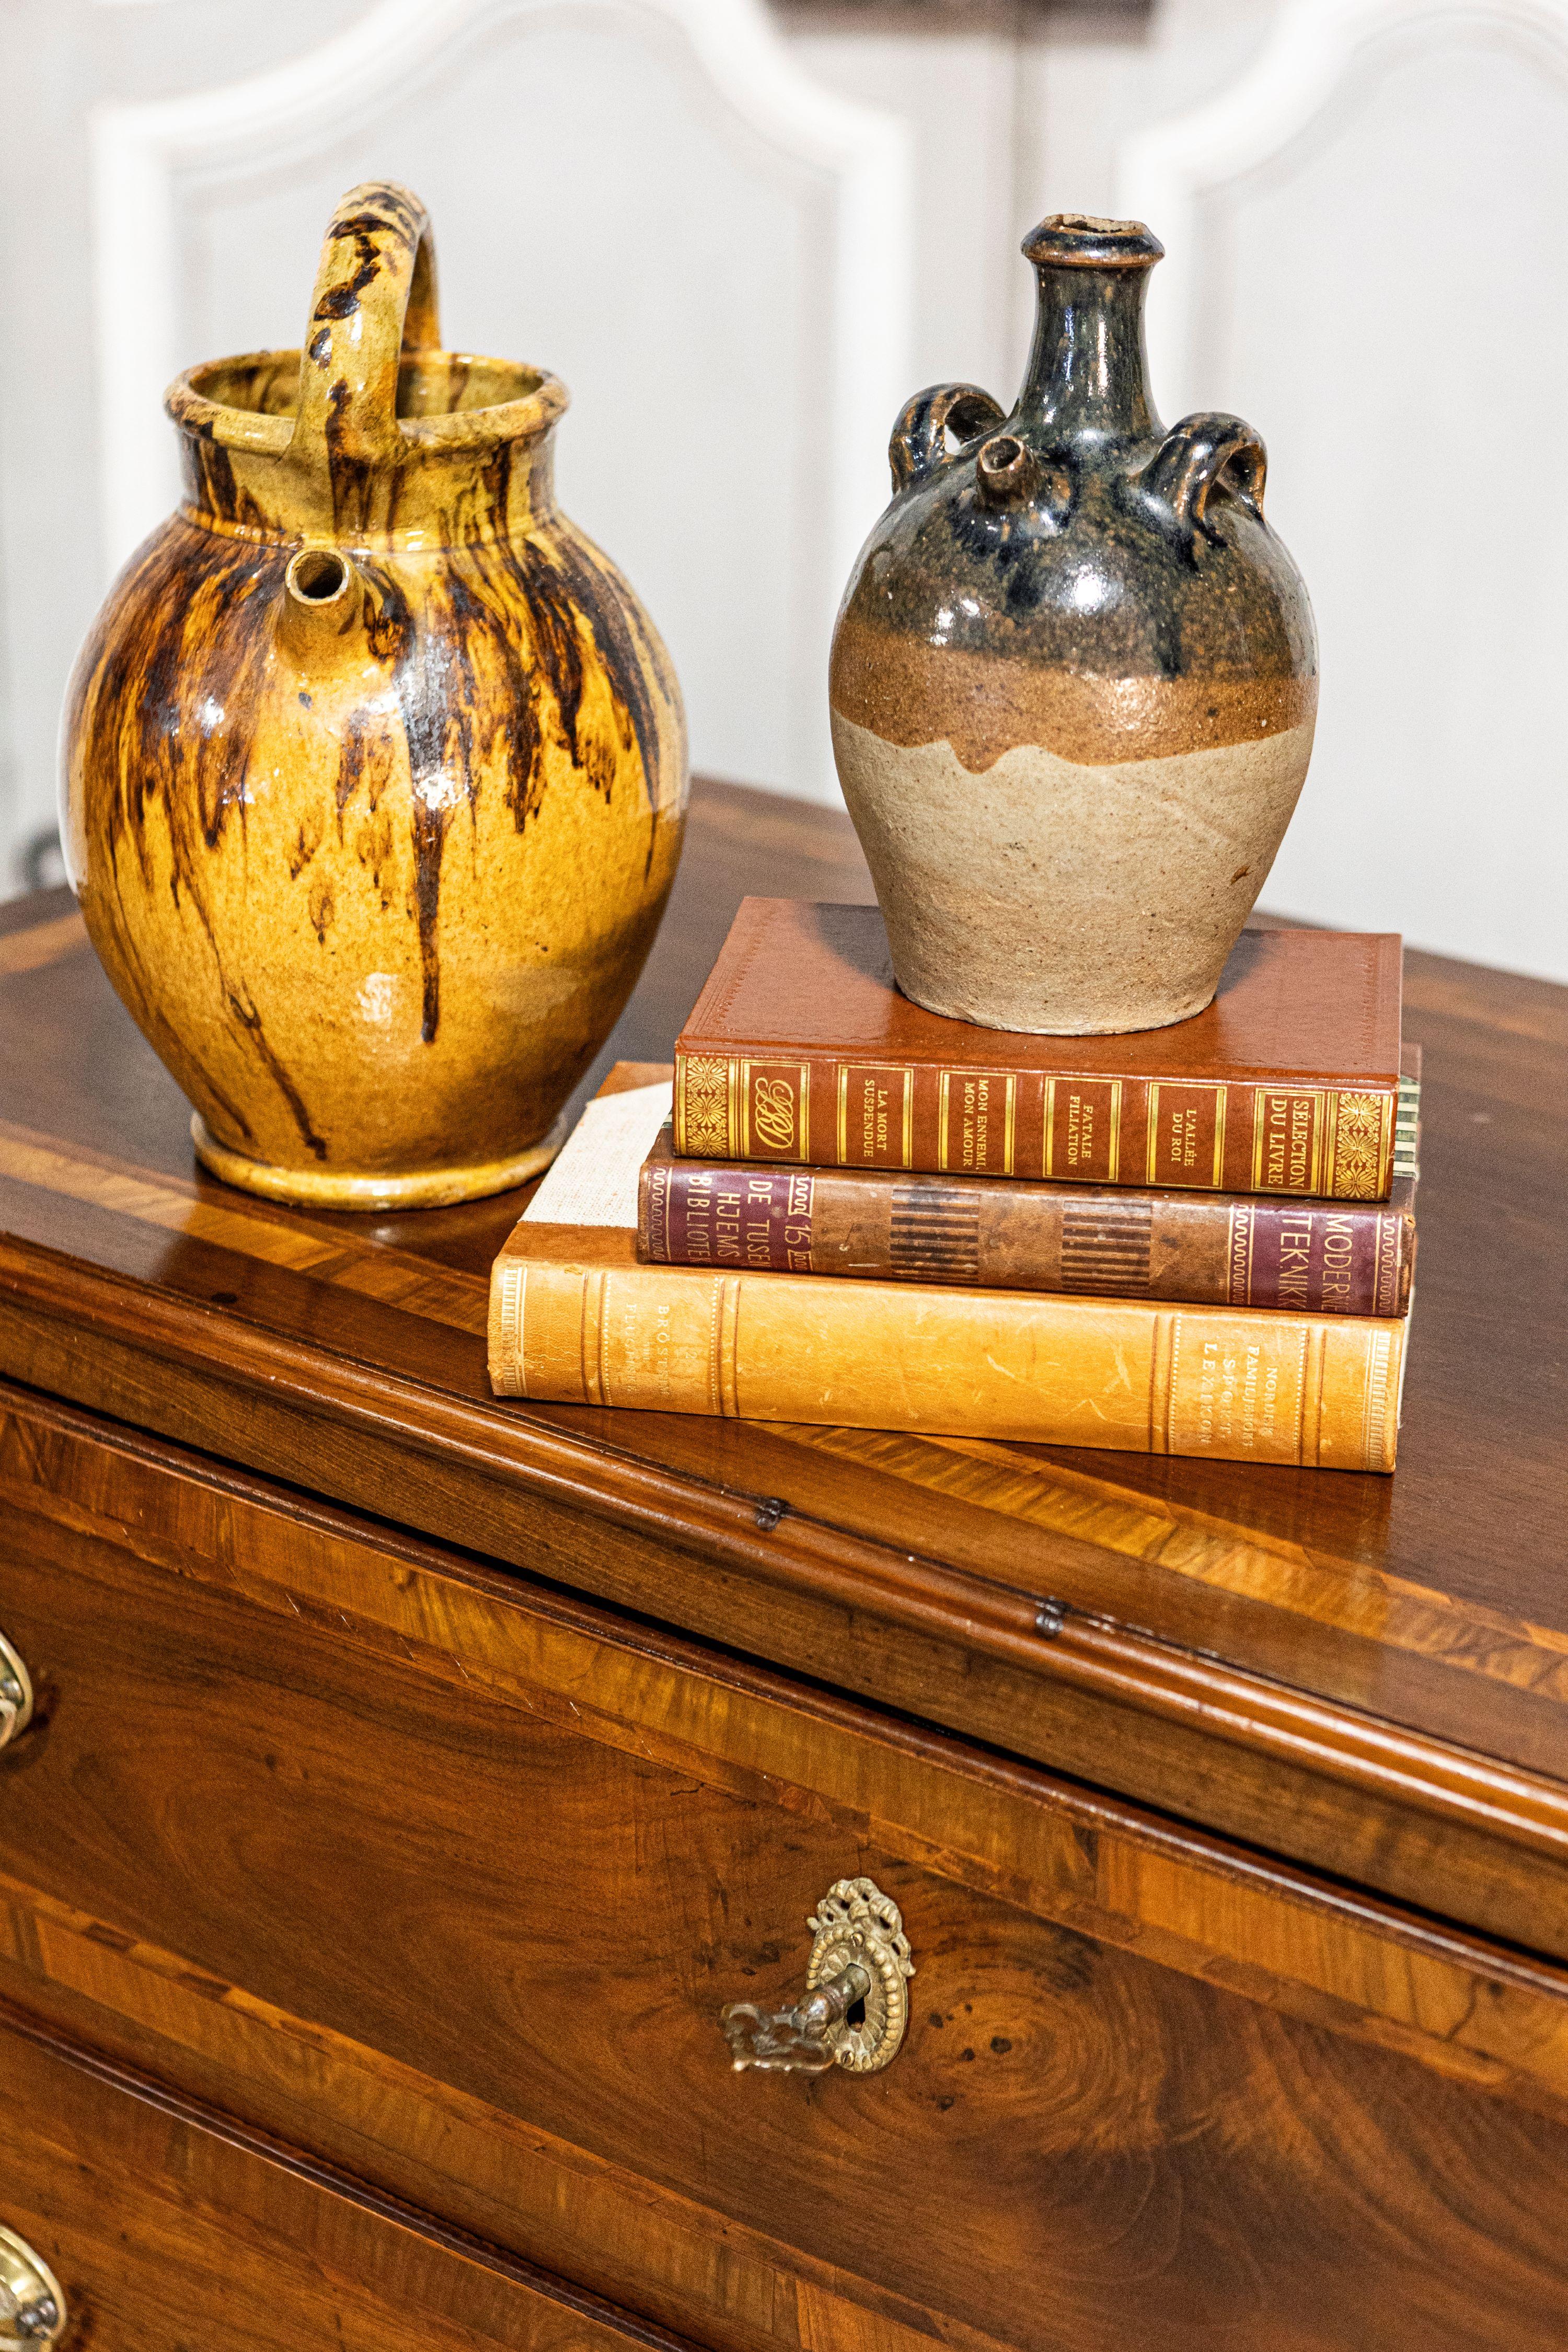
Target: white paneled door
point(1367, 260)
point(743, 233)
point(650, 197)
point(655, 199)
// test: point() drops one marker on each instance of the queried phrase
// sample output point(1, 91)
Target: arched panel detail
point(839, 172)
point(1162, 174)
point(1362, 258)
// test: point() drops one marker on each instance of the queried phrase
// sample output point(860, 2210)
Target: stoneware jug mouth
point(1081, 241)
point(447, 401)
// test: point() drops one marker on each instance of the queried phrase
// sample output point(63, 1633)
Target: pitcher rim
point(448, 433)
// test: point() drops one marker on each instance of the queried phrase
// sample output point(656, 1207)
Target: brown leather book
point(574, 1316)
point(801, 1049)
point(1315, 1257)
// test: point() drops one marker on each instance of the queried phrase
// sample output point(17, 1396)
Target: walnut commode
point(1075, 677)
point(374, 767)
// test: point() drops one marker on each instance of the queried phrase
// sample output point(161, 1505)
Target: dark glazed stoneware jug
point(375, 766)
point(1074, 678)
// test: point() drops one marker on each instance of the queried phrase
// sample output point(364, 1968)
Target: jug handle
point(920, 436)
point(1196, 454)
point(374, 299)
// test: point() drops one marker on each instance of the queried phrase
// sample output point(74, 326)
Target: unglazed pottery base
point(1024, 897)
point(322, 1188)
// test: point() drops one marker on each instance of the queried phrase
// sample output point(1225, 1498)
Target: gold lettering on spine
point(1288, 1130)
point(875, 1115)
point(1338, 1264)
point(704, 1107)
point(1086, 1147)
point(1176, 1151)
point(971, 1137)
point(1235, 1385)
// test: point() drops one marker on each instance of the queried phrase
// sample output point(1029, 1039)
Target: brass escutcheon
point(860, 1955)
point(32, 2309)
point(16, 1693)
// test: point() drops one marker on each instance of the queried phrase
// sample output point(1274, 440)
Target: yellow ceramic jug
point(375, 766)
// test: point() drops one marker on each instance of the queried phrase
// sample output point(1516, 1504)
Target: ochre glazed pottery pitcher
point(374, 767)
point(1074, 678)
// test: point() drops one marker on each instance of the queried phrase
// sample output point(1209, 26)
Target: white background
point(743, 236)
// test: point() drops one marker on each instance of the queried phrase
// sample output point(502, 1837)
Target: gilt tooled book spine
point(801, 1051)
point(575, 1317)
point(1315, 1257)
point(1317, 1142)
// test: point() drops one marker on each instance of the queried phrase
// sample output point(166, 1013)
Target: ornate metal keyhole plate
point(859, 1959)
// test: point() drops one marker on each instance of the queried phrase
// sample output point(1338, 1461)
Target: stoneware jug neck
point(1088, 377)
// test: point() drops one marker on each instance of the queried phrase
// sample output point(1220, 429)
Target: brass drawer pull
point(16, 1694)
point(859, 1955)
point(32, 2309)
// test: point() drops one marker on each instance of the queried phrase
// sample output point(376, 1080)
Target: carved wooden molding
point(139, 151)
point(1163, 174)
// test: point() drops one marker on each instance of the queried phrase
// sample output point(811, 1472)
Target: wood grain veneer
point(412, 1778)
point(166, 2223)
point(464, 1870)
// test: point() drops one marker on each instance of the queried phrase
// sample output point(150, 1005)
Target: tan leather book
point(801, 1049)
point(884, 1224)
point(575, 1317)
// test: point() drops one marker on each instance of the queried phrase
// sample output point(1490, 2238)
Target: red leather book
point(801, 1049)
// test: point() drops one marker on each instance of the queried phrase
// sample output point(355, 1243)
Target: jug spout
point(322, 595)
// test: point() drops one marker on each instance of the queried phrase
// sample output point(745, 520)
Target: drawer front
point(448, 1880)
point(164, 2229)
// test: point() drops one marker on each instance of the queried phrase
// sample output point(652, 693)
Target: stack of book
point(1197, 1240)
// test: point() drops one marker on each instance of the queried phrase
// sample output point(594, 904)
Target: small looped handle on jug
point(1196, 457)
point(920, 439)
point(374, 299)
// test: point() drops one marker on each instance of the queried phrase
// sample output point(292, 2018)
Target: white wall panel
point(954, 81)
point(1376, 279)
point(648, 196)
point(1363, 260)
